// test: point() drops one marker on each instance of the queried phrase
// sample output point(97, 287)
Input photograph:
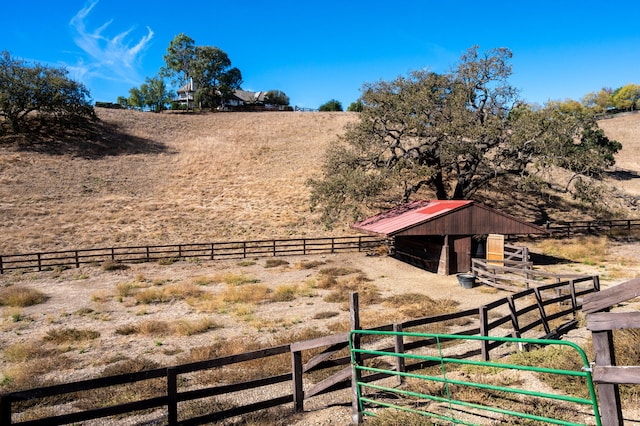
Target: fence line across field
point(204, 251)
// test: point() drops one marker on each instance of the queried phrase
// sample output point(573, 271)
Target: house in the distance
point(186, 94)
point(442, 235)
point(241, 100)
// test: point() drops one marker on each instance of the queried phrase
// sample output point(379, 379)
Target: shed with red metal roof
point(442, 235)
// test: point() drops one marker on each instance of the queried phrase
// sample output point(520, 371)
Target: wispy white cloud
point(107, 57)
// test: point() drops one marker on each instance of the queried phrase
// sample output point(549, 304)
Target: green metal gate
point(450, 409)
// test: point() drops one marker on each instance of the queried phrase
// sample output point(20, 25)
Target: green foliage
point(356, 106)
point(449, 135)
point(153, 94)
point(48, 92)
point(276, 97)
point(332, 105)
point(209, 67)
point(626, 97)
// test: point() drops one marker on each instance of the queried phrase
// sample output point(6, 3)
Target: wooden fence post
point(484, 331)
point(172, 396)
point(574, 300)
point(77, 260)
point(1, 266)
point(543, 315)
point(39, 263)
point(354, 317)
point(298, 390)
point(514, 316)
point(5, 410)
point(399, 348)
point(608, 394)
point(212, 250)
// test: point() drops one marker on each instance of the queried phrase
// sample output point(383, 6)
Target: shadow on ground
point(91, 139)
point(540, 259)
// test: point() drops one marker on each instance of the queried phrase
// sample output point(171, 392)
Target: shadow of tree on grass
point(80, 137)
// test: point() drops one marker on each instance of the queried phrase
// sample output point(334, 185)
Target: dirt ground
point(87, 298)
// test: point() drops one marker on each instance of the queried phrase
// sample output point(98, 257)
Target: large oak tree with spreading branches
point(450, 135)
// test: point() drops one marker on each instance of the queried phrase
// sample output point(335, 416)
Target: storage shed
point(443, 235)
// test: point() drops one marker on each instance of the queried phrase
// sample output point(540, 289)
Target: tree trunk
point(438, 183)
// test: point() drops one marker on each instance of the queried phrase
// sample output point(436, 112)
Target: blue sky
point(316, 51)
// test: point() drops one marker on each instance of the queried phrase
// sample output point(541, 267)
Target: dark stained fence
point(523, 313)
point(606, 374)
point(204, 251)
point(593, 227)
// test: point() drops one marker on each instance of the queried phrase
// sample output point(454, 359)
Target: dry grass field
point(182, 178)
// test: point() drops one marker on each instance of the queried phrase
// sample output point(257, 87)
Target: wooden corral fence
point(601, 322)
point(516, 272)
point(204, 251)
point(516, 315)
point(566, 229)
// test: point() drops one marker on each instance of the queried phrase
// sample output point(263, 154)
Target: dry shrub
point(202, 280)
point(285, 293)
point(21, 296)
point(70, 335)
point(168, 293)
point(181, 327)
point(558, 357)
point(289, 292)
point(245, 294)
point(197, 326)
point(326, 281)
point(29, 374)
point(325, 315)
point(231, 278)
point(27, 351)
point(113, 265)
point(368, 292)
point(153, 328)
point(416, 305)
point(311, 264)
point(337, 271)
point(273, 263)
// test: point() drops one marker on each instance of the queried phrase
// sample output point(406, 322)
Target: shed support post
point(443, 264)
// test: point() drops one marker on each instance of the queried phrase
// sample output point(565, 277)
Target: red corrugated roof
point(408, 215)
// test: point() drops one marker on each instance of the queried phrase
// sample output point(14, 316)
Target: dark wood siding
point(472, 220)
point(460, 260)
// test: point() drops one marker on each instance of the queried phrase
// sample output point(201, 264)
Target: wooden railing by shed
point(204, 251)
point(601, 322)
point(520, 314)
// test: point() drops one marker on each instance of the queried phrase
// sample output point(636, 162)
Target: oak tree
point(35, 90)
point(449, 135)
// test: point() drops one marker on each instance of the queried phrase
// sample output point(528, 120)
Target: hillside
point(180, 178)
point(190, 178)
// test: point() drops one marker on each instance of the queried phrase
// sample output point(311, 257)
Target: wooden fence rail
point(519, 314)
point(205, 251)
point(601, 322)
point(592, 226)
